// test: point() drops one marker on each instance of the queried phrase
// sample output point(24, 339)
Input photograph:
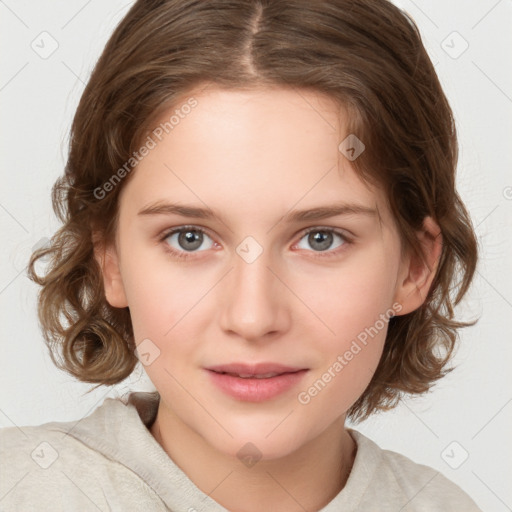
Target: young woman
point(259, 206)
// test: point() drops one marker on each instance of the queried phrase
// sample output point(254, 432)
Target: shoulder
point(39, 446)
point(416, 487)
point(43, 468)
point(425, 485)
point(23, 448)
point(51, 467)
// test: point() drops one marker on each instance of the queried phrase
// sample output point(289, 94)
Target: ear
point(108, 260)
point(417, 273)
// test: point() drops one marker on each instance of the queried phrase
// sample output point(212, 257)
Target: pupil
point(190, 240)
point(322, 239)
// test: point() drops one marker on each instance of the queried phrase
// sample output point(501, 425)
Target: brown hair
point(365, 54)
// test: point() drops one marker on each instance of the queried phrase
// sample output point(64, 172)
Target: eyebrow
point(318, 213)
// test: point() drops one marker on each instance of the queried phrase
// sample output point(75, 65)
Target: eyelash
point(184, 255)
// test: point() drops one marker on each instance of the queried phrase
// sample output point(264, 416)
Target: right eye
point(187, 239)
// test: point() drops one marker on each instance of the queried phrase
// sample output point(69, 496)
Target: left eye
point(322, 240)
point(188, 240)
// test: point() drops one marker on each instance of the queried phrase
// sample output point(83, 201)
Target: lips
point(255, 382)
point(255, 371)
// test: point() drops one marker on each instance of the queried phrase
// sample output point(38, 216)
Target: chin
point(256, 440)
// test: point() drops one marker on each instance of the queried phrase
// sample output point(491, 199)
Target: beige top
point(110, 461)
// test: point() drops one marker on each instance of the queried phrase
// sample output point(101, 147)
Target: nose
point(254, 302)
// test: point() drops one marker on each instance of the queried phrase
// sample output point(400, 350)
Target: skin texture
point(252, 157)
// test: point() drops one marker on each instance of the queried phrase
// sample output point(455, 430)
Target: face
point(254, 269)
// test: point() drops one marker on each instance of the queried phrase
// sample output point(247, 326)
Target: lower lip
point(256, 390)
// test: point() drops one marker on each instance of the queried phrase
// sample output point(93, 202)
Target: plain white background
point(462, 428)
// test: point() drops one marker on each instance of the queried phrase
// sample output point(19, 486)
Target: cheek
point(350, 298)
point(339, 384)
point(159, 291)
point(165, 308)
point(348, 360)
point(354, 307)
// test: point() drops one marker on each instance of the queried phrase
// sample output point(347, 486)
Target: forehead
point(256, 152)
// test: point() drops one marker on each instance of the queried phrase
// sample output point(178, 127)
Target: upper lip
point(254, 369)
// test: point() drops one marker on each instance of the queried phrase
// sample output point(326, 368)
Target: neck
point(307, 479)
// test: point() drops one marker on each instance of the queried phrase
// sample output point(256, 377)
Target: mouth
point(253, 375)
point(258, 370)
point(256, 382)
